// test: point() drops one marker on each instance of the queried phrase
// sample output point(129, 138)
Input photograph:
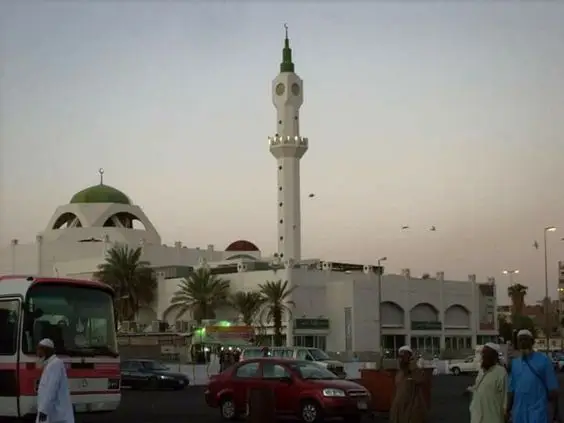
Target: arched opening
point(124, 220)
point(457, 316)
point(67, 220)
point(392, 315)
point(424, 316)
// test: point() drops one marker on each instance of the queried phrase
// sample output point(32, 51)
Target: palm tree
point(133, 281)
point(201, 294)
point(247, 304)
point(276, 302)
point(517, 294)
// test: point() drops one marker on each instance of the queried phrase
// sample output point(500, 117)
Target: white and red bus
point(78, 316)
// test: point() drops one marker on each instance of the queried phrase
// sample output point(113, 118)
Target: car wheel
point(455, 371)
point(227, 409)
point(310, 412)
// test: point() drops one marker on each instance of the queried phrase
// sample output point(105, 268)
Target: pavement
point(448, 404)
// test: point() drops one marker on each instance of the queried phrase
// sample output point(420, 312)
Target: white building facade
point(336, 305)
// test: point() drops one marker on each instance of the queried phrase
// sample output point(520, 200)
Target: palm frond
point(133, 281)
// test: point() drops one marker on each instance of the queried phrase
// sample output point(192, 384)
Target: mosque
point(336, 304)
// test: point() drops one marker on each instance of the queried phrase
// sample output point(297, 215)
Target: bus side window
point(9, 318)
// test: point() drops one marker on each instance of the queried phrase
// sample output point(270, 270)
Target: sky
point(417, 113)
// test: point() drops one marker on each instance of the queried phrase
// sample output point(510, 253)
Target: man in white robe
point(54, 403)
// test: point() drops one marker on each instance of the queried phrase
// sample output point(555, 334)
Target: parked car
point(303, 389)
point(151, 374)
point(298, 353)
point(558, 361)
point(467, 366)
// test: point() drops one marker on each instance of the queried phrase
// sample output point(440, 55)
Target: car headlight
point(331, 392)
point(162, 377)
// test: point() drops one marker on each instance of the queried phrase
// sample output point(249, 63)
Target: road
point(448, 405)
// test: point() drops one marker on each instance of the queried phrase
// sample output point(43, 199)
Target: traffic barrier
point(199, 374)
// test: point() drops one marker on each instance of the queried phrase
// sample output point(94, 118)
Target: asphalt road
point(448, 405)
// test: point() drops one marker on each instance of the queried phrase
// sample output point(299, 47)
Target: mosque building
point(335, 304)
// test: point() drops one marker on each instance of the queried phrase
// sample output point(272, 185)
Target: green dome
point(100, 194)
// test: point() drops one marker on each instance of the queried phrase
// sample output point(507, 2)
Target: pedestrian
point(54, 403)
point(533, 387)
point(265, 352)
point(489, 391)
point(409, 405)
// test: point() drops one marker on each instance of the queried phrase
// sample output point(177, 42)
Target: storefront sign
point(316, 324)
point(426, 325)
point(224, 333)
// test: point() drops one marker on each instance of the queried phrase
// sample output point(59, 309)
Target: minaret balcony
point(278, 140)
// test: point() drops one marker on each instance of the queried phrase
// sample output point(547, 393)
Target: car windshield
point(78, 319)
point(318, 355)
point(154, 365)
point(315, 371)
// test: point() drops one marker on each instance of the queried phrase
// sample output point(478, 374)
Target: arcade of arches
point(423, 330)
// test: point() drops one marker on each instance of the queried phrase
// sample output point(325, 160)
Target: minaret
point(288, 147)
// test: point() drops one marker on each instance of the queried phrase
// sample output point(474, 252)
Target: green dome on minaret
point(287, 65)
point(100, 194)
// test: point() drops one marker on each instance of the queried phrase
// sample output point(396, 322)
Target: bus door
point(10, 311)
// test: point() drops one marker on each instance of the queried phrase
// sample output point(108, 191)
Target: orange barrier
point(381, 385)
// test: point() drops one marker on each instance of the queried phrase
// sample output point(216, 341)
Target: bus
point(78, 316)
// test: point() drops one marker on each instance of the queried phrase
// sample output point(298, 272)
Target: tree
point(202, 293)
point(505, 328)
point(277, 304)
point(133, 281)
point(248, 305)
point(517, 293)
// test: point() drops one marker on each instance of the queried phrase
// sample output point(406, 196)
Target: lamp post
point(380, 260)
point(546, 302)
point(510, 273)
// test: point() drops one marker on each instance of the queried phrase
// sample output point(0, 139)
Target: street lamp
point(546, 302)
point(511, 273)
point(380, 260)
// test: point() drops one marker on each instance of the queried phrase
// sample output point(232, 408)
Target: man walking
point(533, 387)
point(409, 405)
point(54, 403)
point(489, 392)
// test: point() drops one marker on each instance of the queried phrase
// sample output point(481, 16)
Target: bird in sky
point(536, 245)
point(433, 229)
point(404, 227)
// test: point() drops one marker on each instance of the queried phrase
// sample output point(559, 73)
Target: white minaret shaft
point(288, 147)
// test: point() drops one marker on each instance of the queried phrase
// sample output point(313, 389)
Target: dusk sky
point(440, 113)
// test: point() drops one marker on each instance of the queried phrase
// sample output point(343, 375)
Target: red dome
point(242, 245)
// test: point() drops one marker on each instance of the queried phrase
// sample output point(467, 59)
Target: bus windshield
point(78, 319)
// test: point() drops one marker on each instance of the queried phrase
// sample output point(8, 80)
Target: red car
point(303, 389)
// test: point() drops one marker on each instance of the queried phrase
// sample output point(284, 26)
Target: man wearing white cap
point(54, 403)
point(409, 405)
point(489, 392)
point(533, 387)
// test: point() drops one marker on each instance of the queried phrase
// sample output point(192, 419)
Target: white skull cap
point(525, 332)
point(493, 346)
point(405, 348)
point(47, 343)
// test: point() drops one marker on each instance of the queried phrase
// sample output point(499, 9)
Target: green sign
point(426, 325)
point(319, 324)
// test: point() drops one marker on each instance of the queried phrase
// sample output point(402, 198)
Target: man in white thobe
point(54, 403)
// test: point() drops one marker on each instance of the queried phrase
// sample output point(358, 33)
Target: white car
point(467, 366)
